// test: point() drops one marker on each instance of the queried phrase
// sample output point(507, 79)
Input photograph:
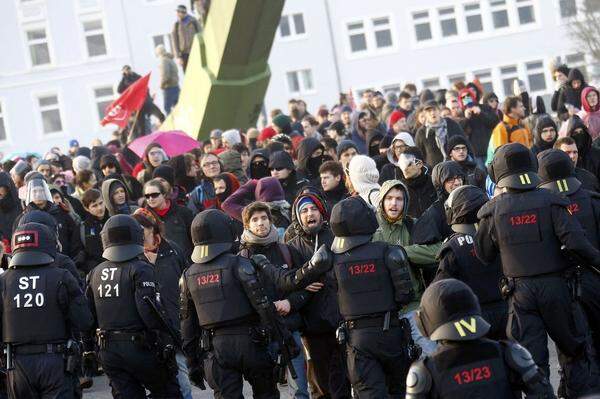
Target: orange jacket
point(510, 131)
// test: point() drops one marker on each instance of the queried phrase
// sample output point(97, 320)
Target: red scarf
point(163, 212)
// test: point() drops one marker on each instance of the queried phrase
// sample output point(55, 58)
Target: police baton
point(164, 323)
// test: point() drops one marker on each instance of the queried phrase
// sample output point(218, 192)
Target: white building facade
point(61, 59)
point(61, 63)
point(326, 47)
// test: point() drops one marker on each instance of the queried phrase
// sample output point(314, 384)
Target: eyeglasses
point(152, 195)
point(278, 169)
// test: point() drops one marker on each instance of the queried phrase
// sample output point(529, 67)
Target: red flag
point(131, 100)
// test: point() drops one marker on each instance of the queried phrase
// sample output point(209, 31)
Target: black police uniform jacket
point(116, 292)
point(42, 305)
point(585, 206)
point(458, 260)
point(367, 285)
point(528, 228)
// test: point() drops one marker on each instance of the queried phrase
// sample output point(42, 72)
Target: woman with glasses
point(177, 219)
point(203, 196)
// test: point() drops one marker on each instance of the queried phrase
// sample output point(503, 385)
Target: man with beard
point(326, 367)
point(458, 149)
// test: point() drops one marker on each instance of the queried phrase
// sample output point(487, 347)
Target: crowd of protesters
point(403, 153)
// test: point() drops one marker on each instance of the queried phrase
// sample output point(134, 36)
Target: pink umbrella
point(174, 143)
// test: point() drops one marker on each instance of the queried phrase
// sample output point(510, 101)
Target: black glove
point(321, 261)
point(260, 261)
point(196, 375)
point(88, 363)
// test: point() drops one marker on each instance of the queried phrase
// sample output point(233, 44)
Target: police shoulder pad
point(446, 246)
point(487, 209)
point(246, 266)
point(556, 198)
point(593, 194)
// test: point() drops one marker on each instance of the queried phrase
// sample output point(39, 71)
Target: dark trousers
point(590, 302)
point(170, 97)
point(326, 369)
point(235, 356)
point(496, 313)
point(131, 369)
point(377, 363)
point(185, 57)
point(544, 305)
point(39, 376)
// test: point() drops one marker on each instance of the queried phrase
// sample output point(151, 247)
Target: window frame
point(94, 18)
point(537, 70)
point(293, 29)
point(302, 89)
point(169, 47)
point(369, 30)
point(25, 28)
point(450, 16)
point(96, 100)
point(59, 106)
point(422, 20)
point(4, 118)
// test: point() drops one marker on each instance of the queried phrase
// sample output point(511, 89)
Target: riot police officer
point(527, 227)
point(458, 260)
point(49, 298)
point(134, 350)
point(226, 318)
point(557, 173)
point(466, 364)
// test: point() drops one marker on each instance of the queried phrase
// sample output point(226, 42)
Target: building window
point(300, 81)
point(358, 38)
point(433, 83)
point(166, 40)
point(509, 74)
point(525, 11)
point(291, 25)
point(94, 38)
point(577, 60)
point(50, 113)
point(2, 124)
point(473, 17)
point(103, 97)
point(485, 78)
point(568, 8)
point(383, 34)
point(422, 26)
point(499, 13)
point(459, 77)
point(536, 76)
point(37, 40)
point(591, 6)
point(447, 21)
point(395, 88)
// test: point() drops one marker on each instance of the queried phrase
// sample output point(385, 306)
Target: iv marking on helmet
point(562, 185)
point(471, 326)
point(525, 179)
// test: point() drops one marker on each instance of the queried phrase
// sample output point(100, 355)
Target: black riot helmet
point(514, 166)
point(33, 244)
point(122, 238)
point(462, 206)
point(449, 310)
point(41, 217)
point(557, 172)
point(353, 223)
point(212, 235)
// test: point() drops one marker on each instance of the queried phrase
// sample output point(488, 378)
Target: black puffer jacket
point(177, 223)
point(570, 95)
point(91, 256)
point(274, 253)
point(478, 128)
point(473, 175)
point(544, 121)
point(10, 208)
point(293, 184)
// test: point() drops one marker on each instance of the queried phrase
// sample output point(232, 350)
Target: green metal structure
point(228, 72)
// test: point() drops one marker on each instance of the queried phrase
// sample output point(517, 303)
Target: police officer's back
point(527, 227)
point(458, 260)
point(373, 285)
point(466, 364)
point(558, 175)
point(130, 336)
point(225, 313)
point(41, 305)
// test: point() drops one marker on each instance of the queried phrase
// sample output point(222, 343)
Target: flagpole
point(131, 131)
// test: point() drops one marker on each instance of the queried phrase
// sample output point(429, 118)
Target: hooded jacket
point(10, 209)
point(232, 163)
point(253, 172)
point(397, 232)
point(292, 184)
point(108, 188)
point(573, 96)
point(590, 116)
point(373, 135)
point(539, 145)
point(134, 187)
point(358, 136)
point(146, 174)
point(308, 167)
point(589, 157)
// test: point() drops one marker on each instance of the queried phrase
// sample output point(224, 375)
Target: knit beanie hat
point(232, 136)
point(344, 145)
point(395, 117)
point(39, 163)
point(81, 163)
point(305, 201)
point(165, 172)
point(281, 121)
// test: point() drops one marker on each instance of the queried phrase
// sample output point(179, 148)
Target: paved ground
point(101, 390)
